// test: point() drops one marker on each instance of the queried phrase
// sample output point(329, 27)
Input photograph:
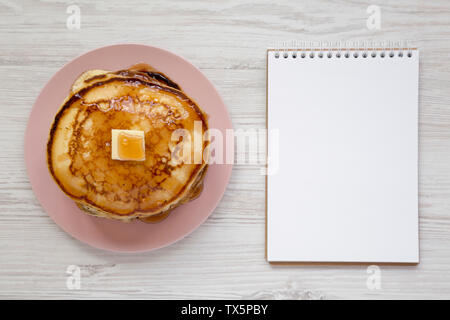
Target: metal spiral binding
point(346, 50)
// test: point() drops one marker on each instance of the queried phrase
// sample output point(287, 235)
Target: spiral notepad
point(342, 182)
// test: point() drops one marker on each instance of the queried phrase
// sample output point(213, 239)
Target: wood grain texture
point(227, 40)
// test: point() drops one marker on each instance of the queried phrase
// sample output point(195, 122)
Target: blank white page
point(345, 186)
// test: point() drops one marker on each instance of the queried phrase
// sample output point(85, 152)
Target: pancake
point(138, 98)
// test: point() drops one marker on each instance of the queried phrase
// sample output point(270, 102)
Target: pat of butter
point(127, 145)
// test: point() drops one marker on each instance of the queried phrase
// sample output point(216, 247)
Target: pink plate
point(115, 235)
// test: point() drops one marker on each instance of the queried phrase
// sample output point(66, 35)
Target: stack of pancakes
point(138, 98)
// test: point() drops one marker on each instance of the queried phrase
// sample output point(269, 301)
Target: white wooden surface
point(224, 258)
